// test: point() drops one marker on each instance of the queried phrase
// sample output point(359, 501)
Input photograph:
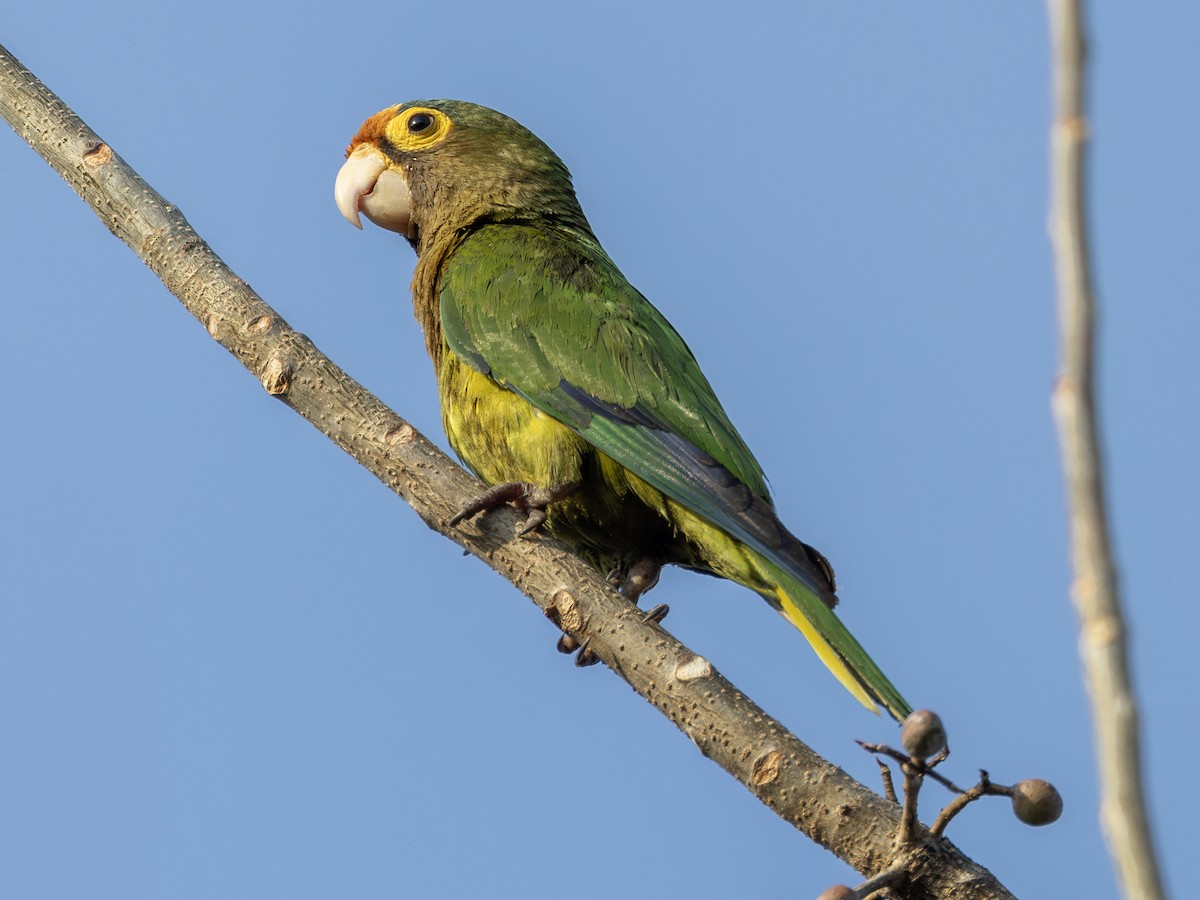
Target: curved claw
point(566, 644)
point(498, 495)
point(641, 577)
point(520, 494)
point(656, 613)
point(537, 517)
point(586, 657)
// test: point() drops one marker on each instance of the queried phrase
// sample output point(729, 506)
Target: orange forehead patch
point(372, 129)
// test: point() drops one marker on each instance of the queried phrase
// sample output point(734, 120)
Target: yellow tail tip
point(825, 651)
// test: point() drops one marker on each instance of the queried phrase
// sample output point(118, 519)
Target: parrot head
point(428, 166)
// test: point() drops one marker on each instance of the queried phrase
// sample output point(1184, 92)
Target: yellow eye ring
point(419, 128)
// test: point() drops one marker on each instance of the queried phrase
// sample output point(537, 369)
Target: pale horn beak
point(367, 183)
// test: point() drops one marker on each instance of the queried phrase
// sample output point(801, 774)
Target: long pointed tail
point(835, 645)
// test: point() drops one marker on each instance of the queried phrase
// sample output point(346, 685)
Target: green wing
point(548, 315)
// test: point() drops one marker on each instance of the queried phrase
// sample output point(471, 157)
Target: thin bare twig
point(959, 803)
point(798, 785)
point(1102, 643)
point(889, 788)
point(909, 824)
point(924, 768)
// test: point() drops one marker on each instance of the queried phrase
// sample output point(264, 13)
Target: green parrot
point(563, 387)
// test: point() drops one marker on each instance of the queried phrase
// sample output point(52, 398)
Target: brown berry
point(838, 892)
point(1036, 802)
point(923, 735)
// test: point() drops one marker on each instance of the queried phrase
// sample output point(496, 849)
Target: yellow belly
point(500, 436)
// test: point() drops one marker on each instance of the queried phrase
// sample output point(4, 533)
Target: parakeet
point(563, 387)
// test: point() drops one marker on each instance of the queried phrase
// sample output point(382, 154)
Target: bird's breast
point(500, 435)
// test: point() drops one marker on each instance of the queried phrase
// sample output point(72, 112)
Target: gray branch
point(1102, 634)
point(815, 796)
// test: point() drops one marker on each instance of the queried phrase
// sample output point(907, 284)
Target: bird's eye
point(418, 128)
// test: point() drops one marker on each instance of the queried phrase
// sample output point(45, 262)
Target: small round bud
point(923, 735)
point(1036, 802)
point(838, 892)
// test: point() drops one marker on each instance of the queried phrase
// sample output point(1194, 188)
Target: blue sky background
point(233, 665)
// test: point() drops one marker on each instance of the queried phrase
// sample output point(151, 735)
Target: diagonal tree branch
point(815, 796)
point(1102, 634)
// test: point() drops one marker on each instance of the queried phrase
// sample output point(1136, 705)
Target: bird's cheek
point(368, 184)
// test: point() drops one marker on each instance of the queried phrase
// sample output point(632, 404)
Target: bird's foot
point(640, 577)
point(632, 583)
point(521, 495)
point(585, 657)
